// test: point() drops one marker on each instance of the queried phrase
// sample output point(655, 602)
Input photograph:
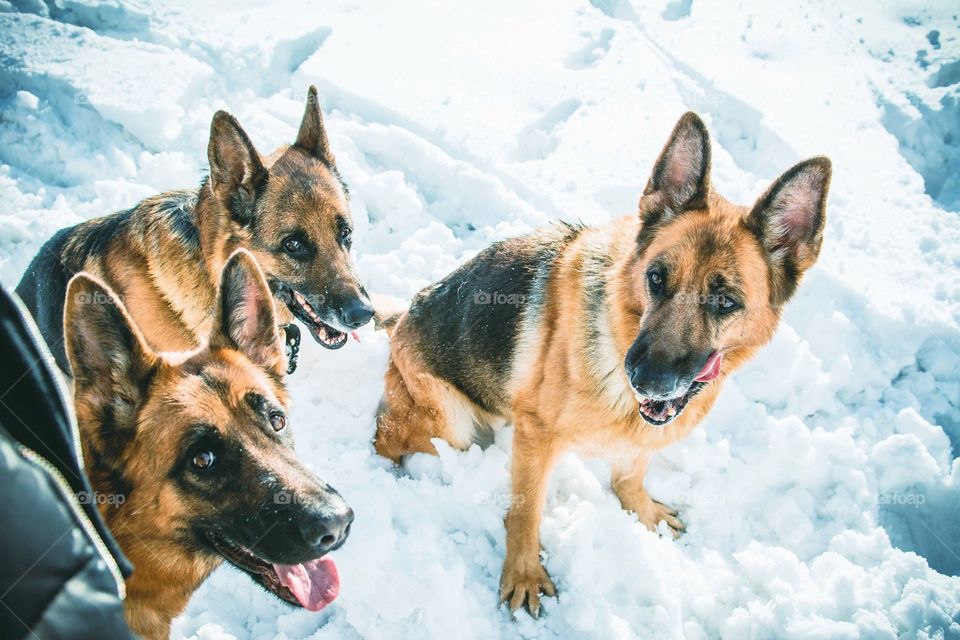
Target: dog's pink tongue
point(356, 336)
point(315, 583)
point(712, 369)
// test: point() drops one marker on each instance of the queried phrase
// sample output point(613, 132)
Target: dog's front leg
point(627, 482)
point(524, 578)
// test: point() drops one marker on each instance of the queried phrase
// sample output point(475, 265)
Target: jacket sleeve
point(62, 574)
point(55, 582)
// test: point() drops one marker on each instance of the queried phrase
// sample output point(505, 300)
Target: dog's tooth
point(299, 297)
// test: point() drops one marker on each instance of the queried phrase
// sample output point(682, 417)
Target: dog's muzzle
point(661, 393)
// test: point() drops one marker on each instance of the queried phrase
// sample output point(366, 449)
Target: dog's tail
point(388, 311)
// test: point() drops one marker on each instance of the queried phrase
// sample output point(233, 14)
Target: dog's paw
point(522, 588)
point(654, 512)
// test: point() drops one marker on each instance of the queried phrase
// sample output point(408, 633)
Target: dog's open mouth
point(312, 585)
point(299, 304)
point(660, 412)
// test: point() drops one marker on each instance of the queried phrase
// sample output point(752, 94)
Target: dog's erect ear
point(111, 362)
point(312, 137)
point(681, 175)
point(245, 317)
point(789, 219)
point(237, 173)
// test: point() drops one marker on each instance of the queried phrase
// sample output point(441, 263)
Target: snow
point(821, 493)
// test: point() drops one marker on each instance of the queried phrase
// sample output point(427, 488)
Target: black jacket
point(62, 573)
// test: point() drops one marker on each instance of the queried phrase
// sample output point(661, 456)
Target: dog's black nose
point(324, 532)
point(653, 381)
point(356, 313)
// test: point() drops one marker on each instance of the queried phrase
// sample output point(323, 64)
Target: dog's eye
point(292, 245)
point(726, 304)
point(655, 281)
point(278, 421)
point(345, 236)
point(203, 460)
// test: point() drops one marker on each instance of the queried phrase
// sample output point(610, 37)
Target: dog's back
point(467, 326)
point(43, 287)
point(158, 229)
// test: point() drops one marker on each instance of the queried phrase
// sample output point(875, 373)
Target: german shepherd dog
point(163, 257)
point(191, 455)
point(612, 340)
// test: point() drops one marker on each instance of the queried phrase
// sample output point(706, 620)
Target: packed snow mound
point(821, 493)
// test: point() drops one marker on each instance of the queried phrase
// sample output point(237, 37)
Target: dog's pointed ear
point(245, 317)
point(312, 137)
point(111, 362)
point(789, 220)
point(681, 175)
point(237, 174)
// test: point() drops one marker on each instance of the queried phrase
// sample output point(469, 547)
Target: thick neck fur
point(181, 266)
point(166, 570)
point(210, 218)
point(165, 577)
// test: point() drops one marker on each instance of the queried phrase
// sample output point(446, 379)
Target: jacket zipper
point(34, 334)
point(88, 527)
point(66, 402)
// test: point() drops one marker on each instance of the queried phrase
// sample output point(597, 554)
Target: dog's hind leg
point(417, 407)
point(627, 483)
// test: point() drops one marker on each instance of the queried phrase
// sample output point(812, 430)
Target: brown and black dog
point(163, 257)
point(613, 340)
point(191, 455)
